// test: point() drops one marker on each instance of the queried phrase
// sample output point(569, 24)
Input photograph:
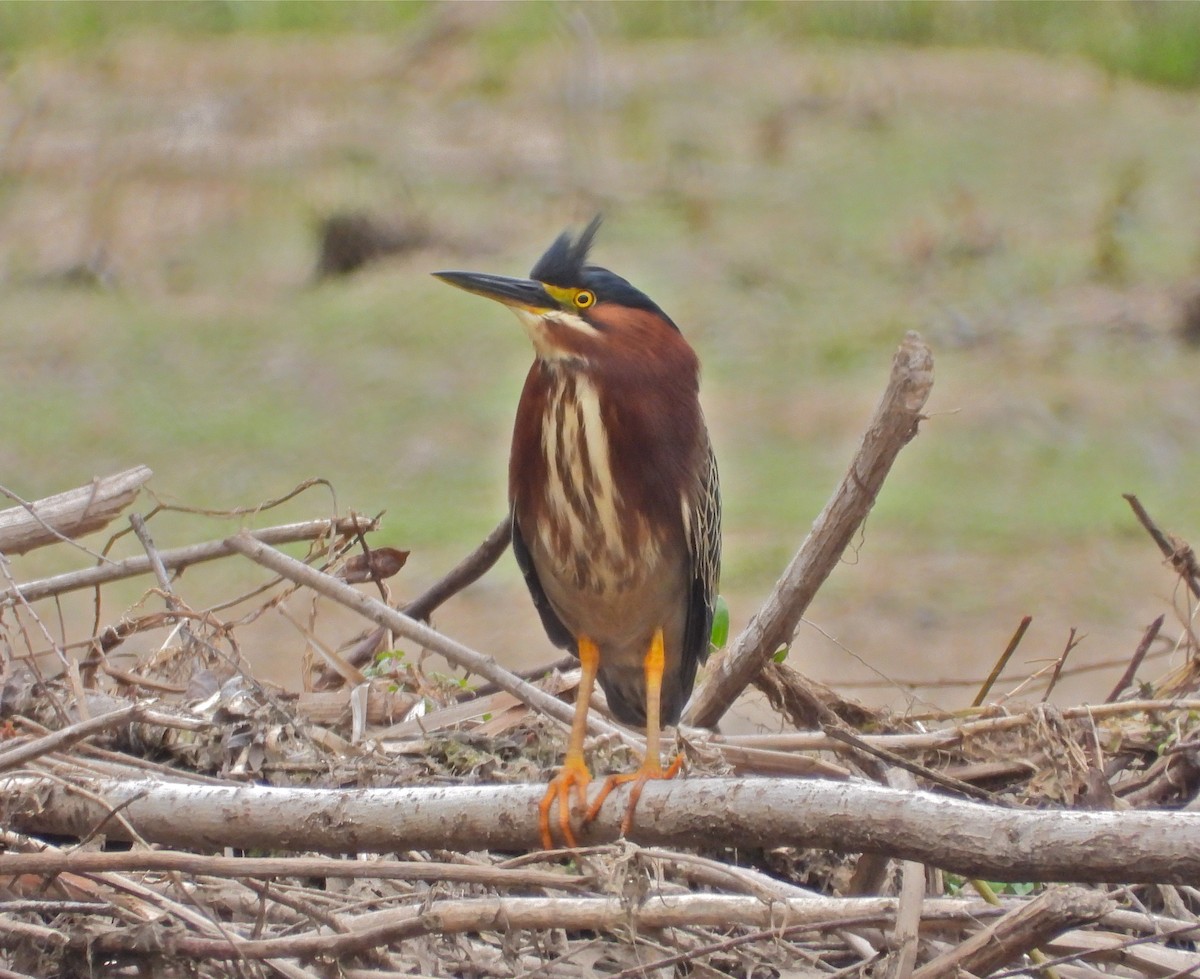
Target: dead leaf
point(381, 564)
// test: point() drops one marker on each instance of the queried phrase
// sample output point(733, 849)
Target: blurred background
point(217, 221)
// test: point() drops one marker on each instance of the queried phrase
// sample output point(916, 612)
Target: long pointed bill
point(520, 293)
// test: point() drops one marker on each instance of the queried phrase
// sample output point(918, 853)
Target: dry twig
point(1005, 656)
point(1181, 556)
point(23, 754)
point(509, 914)
point(470, 569)
point(1135, 661)
point(53, 862)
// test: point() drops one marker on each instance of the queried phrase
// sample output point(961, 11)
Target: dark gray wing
point(704, 551)
point(558, 633)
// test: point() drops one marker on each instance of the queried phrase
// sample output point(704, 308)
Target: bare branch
point(181, 557)
point(1138, 956)
point(906, 933)
point(947, 737)
point(419, 632)
point(71, 514)
point(937, 778)
point(55, 862)
point(892, 427)
point(469, 569)
point(969, 838)
point(1059, 663)
point(1002, 662)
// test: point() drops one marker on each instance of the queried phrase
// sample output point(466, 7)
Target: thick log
point(969, 838)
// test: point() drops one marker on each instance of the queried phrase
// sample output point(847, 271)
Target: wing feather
point(703, 526)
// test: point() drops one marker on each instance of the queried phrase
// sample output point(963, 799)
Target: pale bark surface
point(968, 838)
point(71, 514)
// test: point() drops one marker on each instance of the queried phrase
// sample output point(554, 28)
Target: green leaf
point(720, 625)
point(780, 655)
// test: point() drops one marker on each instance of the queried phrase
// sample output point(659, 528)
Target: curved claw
point(650, 770)
point(573, 773)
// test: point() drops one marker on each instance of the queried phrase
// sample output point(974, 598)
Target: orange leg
point(574, 771)
point(651, 766)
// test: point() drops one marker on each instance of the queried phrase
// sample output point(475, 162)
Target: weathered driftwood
point(181, 557)
point(71, 514)
point(969, 838)
point(892, 427)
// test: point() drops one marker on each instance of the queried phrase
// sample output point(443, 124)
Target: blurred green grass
point(1150, 40)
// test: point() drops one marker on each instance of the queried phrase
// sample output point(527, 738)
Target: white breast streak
point(606, 497)
point(567, 443)
point(555, 495)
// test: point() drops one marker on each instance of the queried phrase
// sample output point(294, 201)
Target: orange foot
point(651, 769)
point(573, 773)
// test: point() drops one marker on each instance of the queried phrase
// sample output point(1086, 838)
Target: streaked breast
point(582, 531)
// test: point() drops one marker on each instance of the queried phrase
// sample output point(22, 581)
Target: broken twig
point(1135, 661)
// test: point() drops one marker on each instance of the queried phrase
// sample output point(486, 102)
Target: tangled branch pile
point(179, 816)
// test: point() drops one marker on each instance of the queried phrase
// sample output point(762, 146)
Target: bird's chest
point(586, 531)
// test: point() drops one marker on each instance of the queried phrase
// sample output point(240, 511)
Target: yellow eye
point(584, 298)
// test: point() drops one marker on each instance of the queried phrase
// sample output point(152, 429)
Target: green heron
point(616, 509)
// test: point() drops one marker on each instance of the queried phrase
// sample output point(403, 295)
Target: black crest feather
point(563, 263)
